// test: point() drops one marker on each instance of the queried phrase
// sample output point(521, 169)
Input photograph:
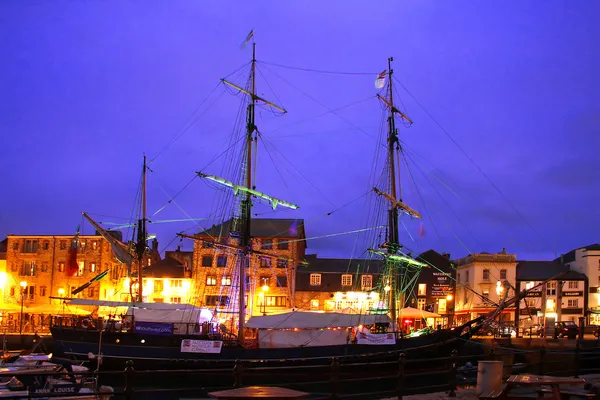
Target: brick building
point(184, 257)
point(436, 285)
point(331, 284)
point(282, 245)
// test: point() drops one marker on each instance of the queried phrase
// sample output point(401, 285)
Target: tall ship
point(214, 334)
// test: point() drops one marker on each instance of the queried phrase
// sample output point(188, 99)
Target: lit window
point(80, 270)
point(346, 280)
point(176, 300)
point(176, 283)
point(366, 282)
point(314, 304)
point(573, 284)
point(422, 291)
point(226, 280)
point(211, 280)
point(315, 279)
point(573, 303)
point(93, 266)
point(529, 285)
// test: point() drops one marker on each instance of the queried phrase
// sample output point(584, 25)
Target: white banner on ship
point(201, 346)
point(375, 338)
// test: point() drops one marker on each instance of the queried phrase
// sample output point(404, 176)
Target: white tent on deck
point(306, 328)
point(184, 321)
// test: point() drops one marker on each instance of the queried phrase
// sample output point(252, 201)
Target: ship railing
point(391, 374)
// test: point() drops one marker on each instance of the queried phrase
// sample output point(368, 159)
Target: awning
point(410, 312)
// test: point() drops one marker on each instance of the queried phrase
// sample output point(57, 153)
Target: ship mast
point(393, 235)
point(246, 203)
point(142, 236)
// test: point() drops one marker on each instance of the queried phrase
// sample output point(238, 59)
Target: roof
point(541, 270)
point(340, 265)
point(3, 247)
point(166, 268)
point(263, 227)
point(440, 261)
point(570, 256)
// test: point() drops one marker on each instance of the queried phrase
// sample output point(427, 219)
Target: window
point(486, 293)
point(217, 300)
point(315, 279)
point(16, 245)
point(92, 267)
point(43, 291)
point(267, 244)
point(573, 303)
point(226, 280)
point(573, 284)
point(265, 262)
point(276, 301)
point(46, 245)
point(28, 269)
point(502, 274)
point(421, 303)
point(366, 282)
point(346, 280)
point(314, 304)
point(91, 292)
point(282, 263)
point(207, 261)
point(31, 246)
point(282, 281)
point(175, 300)
point(82, 246)
point(44, 267)
point(265, 280)
point(159, 286)
point(442, 306)
point(211, 280)
point(422, 289)
point(283, 245)
point(80, 269)
point(486, 274)
point(529, 285)
point(207, 245)
point(29, 293)
point(94, 244)
point(63, 244)
point(551, 289)
point(467, 277)
point(458, 278)
point(531, 303)
point(176, 283)
point(222, 261)
point(12, 291)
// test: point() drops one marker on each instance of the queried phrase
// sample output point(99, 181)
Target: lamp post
point(265, 289)
point(449, 309)
point(23, 285)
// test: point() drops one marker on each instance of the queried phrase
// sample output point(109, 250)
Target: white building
point(586, 260)
point(479, 287)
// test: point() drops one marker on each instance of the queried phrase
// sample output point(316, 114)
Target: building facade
point(335, 284)
point(563, 299)
point(435, 289)
point(479, 285)
point(586, 260)
point(279, 246)
point(167, 281)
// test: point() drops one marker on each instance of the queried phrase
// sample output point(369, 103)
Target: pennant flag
point(87, 284)
point(421, 230)
point(72, 266)
point(380, 81)
point(248, 38)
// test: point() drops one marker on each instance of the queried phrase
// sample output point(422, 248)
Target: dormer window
point(346, 280)
point(315, 279)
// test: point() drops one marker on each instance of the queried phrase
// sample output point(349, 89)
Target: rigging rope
point(319, 70)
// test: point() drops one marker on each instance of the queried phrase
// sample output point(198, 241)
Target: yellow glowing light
point(374, 295)
point(186, 285)
point(387, 288)
point(499, 288)
point(23, 284)
point(126, 284)
point(3, 278)
point(61, 291)
point(449, 297)
point(265, 288)
point(261, 294)
point(339, 296)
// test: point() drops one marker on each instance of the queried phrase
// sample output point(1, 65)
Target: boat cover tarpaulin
point(302, 338)
point(192, 316)
point(313, 320)
point(109, 303)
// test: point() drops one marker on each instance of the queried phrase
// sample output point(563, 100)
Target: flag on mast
point(248, 38)
point(380, 81)
point(72, 266)
point(421, 230)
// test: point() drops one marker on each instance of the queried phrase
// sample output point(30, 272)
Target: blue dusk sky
point(509, 159)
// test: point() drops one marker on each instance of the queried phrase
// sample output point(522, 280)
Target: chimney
point(504, 250)
point(155, 244)
point(178, 249)
point(446, 255)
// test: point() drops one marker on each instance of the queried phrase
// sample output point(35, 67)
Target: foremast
point(141, 244)
point(392, 253)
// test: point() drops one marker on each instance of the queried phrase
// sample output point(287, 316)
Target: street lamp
point(265, 289)
point(23, 285)
point(449, 309)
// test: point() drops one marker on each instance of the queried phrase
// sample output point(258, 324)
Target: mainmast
point(142, 236)
point(246, 203)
